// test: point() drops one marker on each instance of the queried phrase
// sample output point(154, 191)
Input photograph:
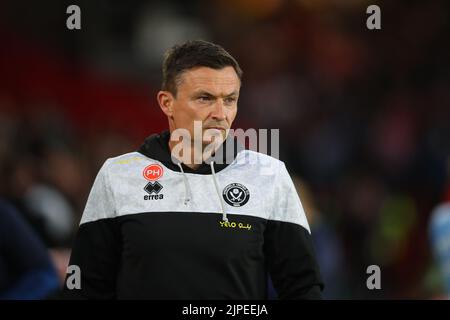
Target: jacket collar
point(156, 147)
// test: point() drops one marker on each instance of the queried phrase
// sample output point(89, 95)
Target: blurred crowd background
point(364, 119)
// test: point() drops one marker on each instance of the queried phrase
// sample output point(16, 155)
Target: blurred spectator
point(26, 271)
point(439, 229)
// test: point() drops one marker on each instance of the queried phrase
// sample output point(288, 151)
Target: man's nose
point(218, 112)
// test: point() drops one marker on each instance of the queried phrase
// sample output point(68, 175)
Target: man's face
point(209, 96)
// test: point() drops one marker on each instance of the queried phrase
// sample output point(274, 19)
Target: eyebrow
point(206, 93)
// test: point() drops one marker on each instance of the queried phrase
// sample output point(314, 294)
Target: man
point(26, 270)
point(166, 222)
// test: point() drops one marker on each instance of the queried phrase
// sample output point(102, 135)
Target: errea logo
point(153, 189)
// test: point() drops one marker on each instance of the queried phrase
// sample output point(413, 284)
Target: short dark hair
point(192, 54)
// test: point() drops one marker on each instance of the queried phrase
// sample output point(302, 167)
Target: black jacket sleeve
point(288, 245)
point(97, 246)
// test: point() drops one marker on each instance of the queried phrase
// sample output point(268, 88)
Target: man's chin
point(215, 142)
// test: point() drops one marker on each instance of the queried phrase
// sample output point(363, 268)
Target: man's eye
point(230, 100)
point(204, 98)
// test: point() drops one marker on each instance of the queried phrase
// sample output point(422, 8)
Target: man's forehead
point(204, 78)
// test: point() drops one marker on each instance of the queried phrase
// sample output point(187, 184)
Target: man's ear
point(165, 101)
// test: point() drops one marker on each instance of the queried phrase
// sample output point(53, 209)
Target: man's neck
point(195, 154)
